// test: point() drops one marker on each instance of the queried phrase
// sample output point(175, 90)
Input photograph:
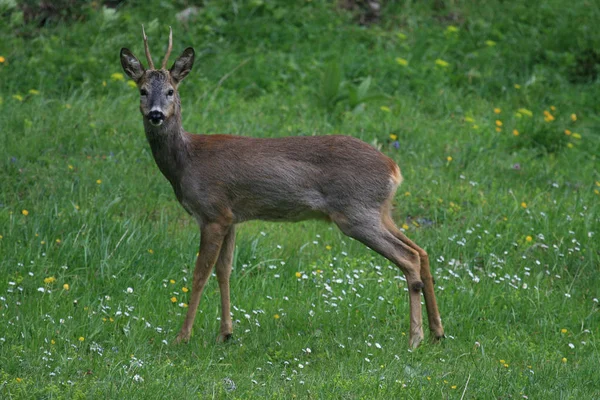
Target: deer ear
point(183, 65)
point(131, 65)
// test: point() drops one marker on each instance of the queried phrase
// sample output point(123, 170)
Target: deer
point(224, 180)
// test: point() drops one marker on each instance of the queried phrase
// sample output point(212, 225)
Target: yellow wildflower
point(452, 29)
point(25, 212)
point(81, 338)
point(576, 135)
point(185, 289)
point(517, 86)
point(441, 63)
point(393, 136)
point(276, 316)
point(573, 117)
point(401, 36)
point(99, 181)
point(490, 43)
point(567, 132)
point(34, 92)
point(498, 129)
point(570, 145)
point(150, 251)
point(404, 226)
point(515, 132)
point(524, 205)
point(548, 117)
point(52, 341)
point(529, 238)
point(57, 241)
point(453, 387)
point(497, 110)
point(19, 380)
point(131, 84)
point(552, 108)
point(66, 286)
point(2, 59)
point(117, 76)
point(449, 158)
point(49, 280)
point(298, 275)
point(498, 122)
point(171, 281)
point(563, 330)
point(469, 120)
point(18, 97)
point(328, 247)
point(173, 299)
point(402, 61)
point(385, 109)
point(564, 360)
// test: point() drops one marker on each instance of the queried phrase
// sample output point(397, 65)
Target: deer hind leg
point(371, 231)
point(211, 240)
point(223, 269)
point(433, 313)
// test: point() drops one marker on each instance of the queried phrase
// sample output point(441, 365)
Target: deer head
point(159, 99)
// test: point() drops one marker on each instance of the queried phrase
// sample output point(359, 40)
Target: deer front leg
point(211, 240)
point(223, 268)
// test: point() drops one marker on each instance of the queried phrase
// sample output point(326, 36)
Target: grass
point(511, 222)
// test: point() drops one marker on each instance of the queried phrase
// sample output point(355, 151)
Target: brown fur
point(223, 180)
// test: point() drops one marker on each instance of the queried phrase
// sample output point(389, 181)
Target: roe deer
point(223, 180)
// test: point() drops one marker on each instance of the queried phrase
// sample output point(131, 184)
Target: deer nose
point(156, 117)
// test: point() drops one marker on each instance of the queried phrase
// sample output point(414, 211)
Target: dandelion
point(298, 275)
point(517, 86)
point(552, 108)
point(34, 92)
point(564, 359)
point(573, 117)
point(528, 239)
point(525, 111)
point(19, 380)
point(131, 84)
point(185, 289)
point(173, 299)
point(393, 136)
point(524, 205)
point(548, 117)
point(498, 123)
point(505, 365)
point(441, 63)
point(49, 280)
point(18, 97)
point(57, 241)
point(99, 181)
point(25, 212)
point(66, 286)
point(469, 120)
point(515, 132)
point(385, 109)
point(453, 387)
point(490, 43)
point(449, 158)
point(567, 132)
point(117, 76)
point(402, 61)
point(150, 251)
point(452, 29)
point(576, 136)
point(52, 341)
point(276, 316)
point(497, 110)
point(2, 60)
point(81, 338)
point(498, 129)
point(328, 247)
point(405, 227)
point(171, 281)
point(563, 330)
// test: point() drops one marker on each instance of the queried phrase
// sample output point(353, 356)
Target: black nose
point(156, 116)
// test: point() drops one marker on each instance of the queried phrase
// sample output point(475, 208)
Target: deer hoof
point(182, 337)
point(224, 337)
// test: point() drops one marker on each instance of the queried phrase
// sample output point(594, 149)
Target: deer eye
point(170, 92)
point(143, 92)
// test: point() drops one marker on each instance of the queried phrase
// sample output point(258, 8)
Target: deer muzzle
point(156, 118)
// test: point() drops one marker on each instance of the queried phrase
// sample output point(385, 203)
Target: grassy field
point(491, 110)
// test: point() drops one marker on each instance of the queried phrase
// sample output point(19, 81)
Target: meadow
point(490, 109)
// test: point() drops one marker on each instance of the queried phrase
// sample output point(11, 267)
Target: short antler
point(148, 56)
point(166, 59)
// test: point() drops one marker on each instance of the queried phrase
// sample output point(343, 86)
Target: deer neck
point(169, 146)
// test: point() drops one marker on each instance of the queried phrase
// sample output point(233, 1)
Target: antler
point(164, 63)
point(148, 56)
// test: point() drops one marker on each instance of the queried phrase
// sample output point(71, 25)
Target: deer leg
point(372, 233)
point(223, 268)
point(433, 313)
point(211, 239)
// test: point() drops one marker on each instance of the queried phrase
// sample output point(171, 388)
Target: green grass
point(511, 222)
